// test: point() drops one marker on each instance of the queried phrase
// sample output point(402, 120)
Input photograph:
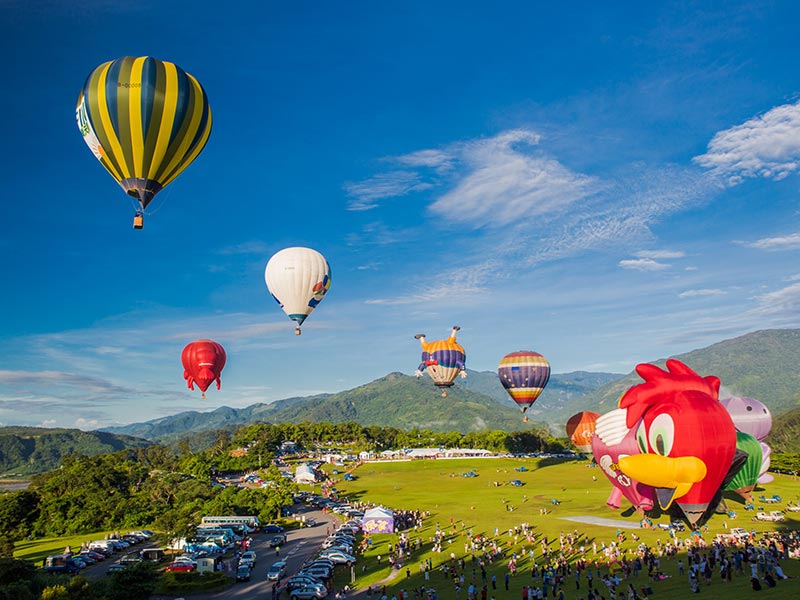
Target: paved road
point(300, 544)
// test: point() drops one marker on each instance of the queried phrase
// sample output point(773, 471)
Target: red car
point(184, 567)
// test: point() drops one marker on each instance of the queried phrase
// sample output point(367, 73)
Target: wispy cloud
point(764, 146)
point(781, 307)
point(660, 254)
point(700, 293)
point(643, 264)
point(385, 185)
point(436, 159)
point(505, 184)
point(776, 244)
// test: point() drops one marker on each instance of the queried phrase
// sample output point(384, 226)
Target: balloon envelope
point(749, 416)
point(298, 278)
point(580, 430)
point(745, 479)
point(612, 440)
point(443, 360)
point(524, 375)
point(145, 120)
point(203, 361)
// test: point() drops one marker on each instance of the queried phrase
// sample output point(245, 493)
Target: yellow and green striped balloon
point(146, 120)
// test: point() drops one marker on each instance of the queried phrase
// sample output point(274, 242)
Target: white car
point(277, 570)
point(248, 558)
point(338, 557)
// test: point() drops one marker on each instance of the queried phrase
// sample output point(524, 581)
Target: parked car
point(243, 572)
point(277, 570)
point(338, 557)
point(180, 567)
point(516, 483)
point(313, 591)
point(300, 580)
point(273, 528)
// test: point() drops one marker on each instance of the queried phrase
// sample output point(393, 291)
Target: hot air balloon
point(612, 440)
point(524, 375)
point(298, 278)
point(203, 361)
point(686, 437)
point(145, 120)
point(744, 482)
point(443, 360)
point(749, 416)
point(580, 430)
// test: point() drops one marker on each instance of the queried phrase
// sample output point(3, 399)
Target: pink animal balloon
point(611, 441)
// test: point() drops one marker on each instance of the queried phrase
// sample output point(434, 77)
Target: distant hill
point(396, 400)
point(785, 434)
point(28, 450)
point(760, 365)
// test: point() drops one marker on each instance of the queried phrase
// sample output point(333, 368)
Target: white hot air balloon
point(298, 278)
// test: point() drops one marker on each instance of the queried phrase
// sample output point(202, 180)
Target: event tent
point(378, 520)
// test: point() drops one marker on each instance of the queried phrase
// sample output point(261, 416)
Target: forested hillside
point(27, 450)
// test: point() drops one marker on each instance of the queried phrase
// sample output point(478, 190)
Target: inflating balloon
point(298, 279)
point(145, 120)
point(744, 482)
point(749, 416)
point(613, 440)
point(686, 437)
point(580, 430)
point(444, 360)
point(203, 361)
point(524, 375)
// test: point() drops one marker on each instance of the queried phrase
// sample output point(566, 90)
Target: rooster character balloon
point(524, 375)
point(686, 437)
point(613, 440)
point(203, 362)
point(443, 359)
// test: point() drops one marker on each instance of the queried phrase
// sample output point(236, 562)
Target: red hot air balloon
point(203, 362)
point(580, 430)
point(524, 375)
point(686, 437)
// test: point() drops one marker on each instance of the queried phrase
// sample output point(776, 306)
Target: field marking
point(601, 521)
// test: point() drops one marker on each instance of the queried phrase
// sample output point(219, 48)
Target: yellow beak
point(675, 476)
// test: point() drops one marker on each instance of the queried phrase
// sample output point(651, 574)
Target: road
point(299, 545)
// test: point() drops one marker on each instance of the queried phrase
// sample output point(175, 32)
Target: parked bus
point(251, 521)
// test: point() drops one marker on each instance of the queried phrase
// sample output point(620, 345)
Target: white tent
point(378, 520)
point(304, 474)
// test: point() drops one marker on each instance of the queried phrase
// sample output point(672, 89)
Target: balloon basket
point(138, 222)
point(524, 419)
point(203, 395)
point(444, 394)
point(297, 331)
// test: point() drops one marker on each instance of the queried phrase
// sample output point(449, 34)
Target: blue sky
point(604, 185)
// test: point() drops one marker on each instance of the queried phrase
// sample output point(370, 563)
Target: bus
point(251, 521)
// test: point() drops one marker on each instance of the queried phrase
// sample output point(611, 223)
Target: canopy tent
point(378, 520)
point(304, 474)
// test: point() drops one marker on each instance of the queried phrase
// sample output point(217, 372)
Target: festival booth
point(378, 520)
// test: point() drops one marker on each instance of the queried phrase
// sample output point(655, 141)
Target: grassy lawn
point(475, 504)
point(37, 550)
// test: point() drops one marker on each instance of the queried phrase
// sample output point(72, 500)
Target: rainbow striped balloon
point(524, 375)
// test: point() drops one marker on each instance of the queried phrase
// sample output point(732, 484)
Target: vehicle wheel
point(295, 598)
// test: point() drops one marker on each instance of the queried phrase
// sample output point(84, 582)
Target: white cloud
point(699, 293)
point(764, 146)
point(48, 423)
point(782, 306)
point(643, 264)
point(437, 159)
point(383, 185)
point(86, 424)
point(504, 185)
point(660, 254)
point(776, 244)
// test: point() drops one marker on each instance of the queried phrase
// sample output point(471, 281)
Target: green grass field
point(36, 550)
point(476, 504)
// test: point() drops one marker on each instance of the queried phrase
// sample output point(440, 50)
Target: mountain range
point(758, 365)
